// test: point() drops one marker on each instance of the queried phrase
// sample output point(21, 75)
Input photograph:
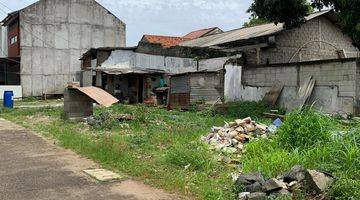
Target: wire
point(5, 5)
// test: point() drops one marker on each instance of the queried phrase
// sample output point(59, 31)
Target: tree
point(293, 12)
point(254, 20)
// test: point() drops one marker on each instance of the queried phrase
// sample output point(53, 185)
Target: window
point(13, 40)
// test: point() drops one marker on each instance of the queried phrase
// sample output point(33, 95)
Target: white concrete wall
point(17, 90)
point(3, 41)
point(125, 59)
point(54, 34)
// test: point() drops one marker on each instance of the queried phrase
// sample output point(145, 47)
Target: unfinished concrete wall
point(336, 88)
point(54, 34)
point(307, 37)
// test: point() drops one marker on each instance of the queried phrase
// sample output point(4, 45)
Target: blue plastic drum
point(9, 99)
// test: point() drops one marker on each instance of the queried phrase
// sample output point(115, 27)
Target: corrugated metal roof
point(242, 33)
point(119, 71)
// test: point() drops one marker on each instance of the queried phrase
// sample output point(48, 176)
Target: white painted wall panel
point(17, 90)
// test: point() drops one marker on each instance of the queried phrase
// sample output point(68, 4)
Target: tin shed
point(195, 87)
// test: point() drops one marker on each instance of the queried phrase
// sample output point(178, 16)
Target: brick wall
point(337, 85)
point(13, 31)
point(290, 41)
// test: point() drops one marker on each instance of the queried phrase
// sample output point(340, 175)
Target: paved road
point(33, 168)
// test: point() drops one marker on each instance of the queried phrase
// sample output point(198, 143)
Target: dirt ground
point(34, 168)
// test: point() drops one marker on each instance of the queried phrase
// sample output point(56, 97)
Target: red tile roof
point(170, 41)
point(198, 33)
point(165, 41)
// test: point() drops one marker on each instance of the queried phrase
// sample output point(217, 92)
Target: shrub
point(303, 129)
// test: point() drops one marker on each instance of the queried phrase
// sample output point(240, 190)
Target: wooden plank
point(100, 96)
point(273, 95)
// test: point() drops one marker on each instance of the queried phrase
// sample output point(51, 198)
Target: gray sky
point(166, 17)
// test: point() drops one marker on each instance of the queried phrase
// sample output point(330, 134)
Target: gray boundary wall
point(336, 90)
point(54, 34)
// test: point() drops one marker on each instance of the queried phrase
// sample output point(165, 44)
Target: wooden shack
point(187, 89)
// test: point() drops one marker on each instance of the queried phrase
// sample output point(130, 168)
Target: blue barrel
point(9, 99)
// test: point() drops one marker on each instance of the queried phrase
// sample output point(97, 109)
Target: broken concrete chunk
point(232, 124)
point(243, 195)
point(247, 179)
point(281, 192)
point(255, 187)
point(232, 134)
point(321, 180)
point(257, 196)
point(229, 150)
point(273, 184)
point(297, 173)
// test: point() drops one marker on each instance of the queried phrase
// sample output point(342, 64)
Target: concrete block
point(37, 85)
point(98, 36)
point(75, 36)
point(49, 37)
point(26, 61)
point(86, 36)
point(37, 30)
point(62, 8)
point(37, 57)
point(25, 39)
point(62, 32)
point(48, 63)
point(110, 36)
point(26, 83)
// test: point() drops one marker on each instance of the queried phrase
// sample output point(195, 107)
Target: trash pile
point(231, 137)
point(312, 182)
point(107, 120)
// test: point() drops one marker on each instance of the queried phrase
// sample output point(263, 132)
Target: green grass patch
point(163, 148)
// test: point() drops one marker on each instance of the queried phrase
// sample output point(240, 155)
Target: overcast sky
point(166, 17)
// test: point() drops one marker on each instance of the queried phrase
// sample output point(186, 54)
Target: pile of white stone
point(231, 137)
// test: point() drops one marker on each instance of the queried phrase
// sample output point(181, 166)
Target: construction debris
point(311, 182)
point(230, 138)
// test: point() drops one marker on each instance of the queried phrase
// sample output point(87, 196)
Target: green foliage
point(250, 109)
point(254, 21)
point(345, 189)
point(304, 129)
point(293, 12)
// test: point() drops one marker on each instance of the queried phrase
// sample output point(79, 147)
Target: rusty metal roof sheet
point(119, 71)
point(100, 96)
point(243, 33)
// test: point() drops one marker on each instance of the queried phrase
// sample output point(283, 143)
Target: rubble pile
point(312, 182)
point(231, 137)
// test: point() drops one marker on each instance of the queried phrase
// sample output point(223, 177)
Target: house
point(171, 41)
point(46, 39)
point(134, 73)
point(271, 54)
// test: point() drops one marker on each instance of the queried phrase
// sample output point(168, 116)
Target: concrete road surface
point(33, 168)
